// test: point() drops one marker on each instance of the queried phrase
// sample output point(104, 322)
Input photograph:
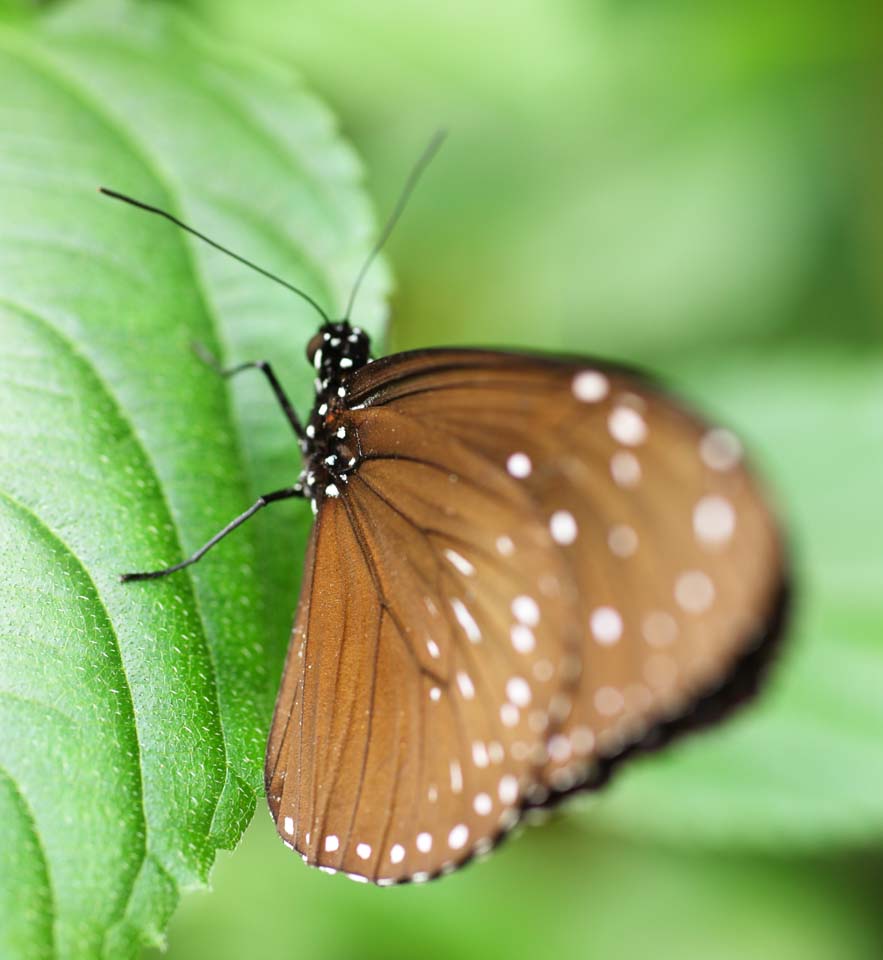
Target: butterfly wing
point(405, 733)
point(593, 558)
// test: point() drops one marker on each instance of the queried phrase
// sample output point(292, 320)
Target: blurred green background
point(697, 187)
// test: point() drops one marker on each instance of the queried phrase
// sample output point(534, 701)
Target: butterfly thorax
point(336, 351)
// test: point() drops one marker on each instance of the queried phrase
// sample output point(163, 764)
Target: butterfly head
point(337, 350)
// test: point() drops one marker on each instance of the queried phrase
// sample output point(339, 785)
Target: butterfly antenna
point(429, 151)
point(179, 223)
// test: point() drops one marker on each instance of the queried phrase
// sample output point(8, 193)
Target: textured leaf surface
point(134, 717)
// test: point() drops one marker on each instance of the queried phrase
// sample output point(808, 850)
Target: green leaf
point(802, 767)
point(134, 716)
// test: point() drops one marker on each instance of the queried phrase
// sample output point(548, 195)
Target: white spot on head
point(606, 624)
point(466, 620)
point(433, 649)
point(622, 540)
point(627, 426)
point(509, 714)
point(608, 701)
point(331, 490)
point(461, 563)
point(424, 842)
point(714, 520)
point(482, 804)
point(518, 691)
point(505, 546)
point(317, 359)
point(396, 853)
point(464, 682)
point(508, 789)
point(659, 628)
point(458, 836)
point(363, 850)
point(589, 386)
point(523, 639)
point(331, 843)
point(563, 527)
point(519, 465)
point(526, 610)
point(289, 825)
point(720, 449)
point(625, 469)
point(694, 591)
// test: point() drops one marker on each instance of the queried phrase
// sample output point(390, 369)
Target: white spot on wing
point(694, 591)
point(505, 546)
point(720, 449)
point(563, 527)
point(714, 520)
point(508, 789)
point(466, 620)
point(458, 836)
point(627, 426)
point(523, 639)
point(622, 540)
point(464, 682)
point(518, 691)
point(526, 610)
point(625, 469)
point(519, 465)
point(461, 563)
point(590, 386)
point(606, 624)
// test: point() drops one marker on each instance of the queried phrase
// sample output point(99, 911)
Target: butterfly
point(522, 570)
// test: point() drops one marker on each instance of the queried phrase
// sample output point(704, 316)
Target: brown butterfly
point(522, 569)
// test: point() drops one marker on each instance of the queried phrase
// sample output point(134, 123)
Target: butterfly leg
point(266, 370)
point(261, 502)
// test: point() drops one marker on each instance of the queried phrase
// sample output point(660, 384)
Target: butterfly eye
point(314, 345)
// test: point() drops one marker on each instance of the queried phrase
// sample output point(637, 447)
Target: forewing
point(664, 540)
